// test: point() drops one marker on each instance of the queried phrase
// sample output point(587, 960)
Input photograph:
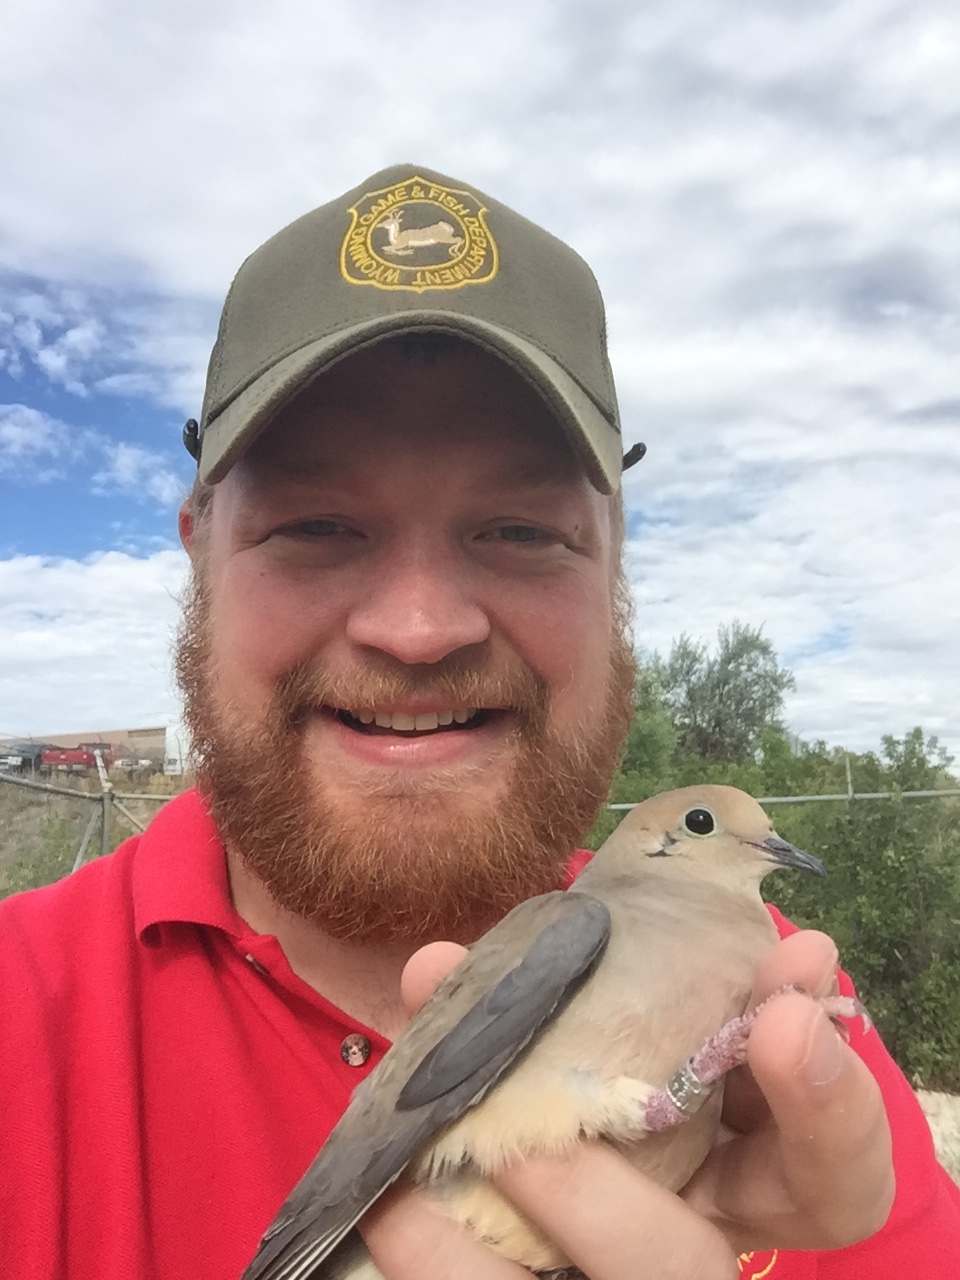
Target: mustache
point(455, 681)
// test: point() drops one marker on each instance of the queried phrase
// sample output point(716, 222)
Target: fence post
point(106, 804)
point(78, 861)
point(846, 761)
point(106, 801)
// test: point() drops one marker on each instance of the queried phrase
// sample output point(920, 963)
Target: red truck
point(74, 759)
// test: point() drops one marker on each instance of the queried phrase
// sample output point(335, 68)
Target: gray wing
point(470, 1032)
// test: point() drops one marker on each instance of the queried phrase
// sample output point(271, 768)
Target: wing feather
point(472, 1030)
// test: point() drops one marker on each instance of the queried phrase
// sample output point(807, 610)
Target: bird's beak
point(785, 854)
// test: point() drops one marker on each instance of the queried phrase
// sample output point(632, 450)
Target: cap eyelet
point(191, 438)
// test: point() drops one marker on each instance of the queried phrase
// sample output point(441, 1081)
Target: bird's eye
point(700, 822)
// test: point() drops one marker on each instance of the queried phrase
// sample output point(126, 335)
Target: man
point(407, 671)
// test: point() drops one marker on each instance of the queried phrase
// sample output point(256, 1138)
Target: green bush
point(892, 904)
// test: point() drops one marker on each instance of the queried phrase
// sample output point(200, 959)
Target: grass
point(40, 833)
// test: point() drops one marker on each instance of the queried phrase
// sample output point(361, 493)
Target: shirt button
point(355, 1050)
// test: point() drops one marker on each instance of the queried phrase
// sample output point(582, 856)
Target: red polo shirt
point(165, 1078)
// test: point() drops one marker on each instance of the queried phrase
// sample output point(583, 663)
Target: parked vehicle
point(22, 757)
point(177, 750)
point(75, 759)
point(131, 766)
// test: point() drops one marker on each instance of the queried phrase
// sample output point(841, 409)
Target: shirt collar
point(180, 871)
point(578, 861)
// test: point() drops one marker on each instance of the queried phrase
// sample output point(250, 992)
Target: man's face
point(402, 659)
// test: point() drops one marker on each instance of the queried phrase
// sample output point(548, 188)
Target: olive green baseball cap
point(409, 250)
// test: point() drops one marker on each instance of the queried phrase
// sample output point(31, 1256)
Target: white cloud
point(846, 556)
point(33, 446)
point(74, 346)
point(139, 472)
point(27, 319)
point(96, 339)
point(36, 448)
point(84, 644)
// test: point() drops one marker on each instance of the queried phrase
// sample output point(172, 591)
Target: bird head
point(714, 832)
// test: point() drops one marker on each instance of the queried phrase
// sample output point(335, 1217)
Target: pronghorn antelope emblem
point(402, 243)
point(416, 235)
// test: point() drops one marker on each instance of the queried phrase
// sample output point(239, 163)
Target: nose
point(418, 609)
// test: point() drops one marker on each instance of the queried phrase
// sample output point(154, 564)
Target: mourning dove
point(611, 1010)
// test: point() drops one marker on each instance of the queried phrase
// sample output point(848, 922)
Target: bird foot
point(690, 1086)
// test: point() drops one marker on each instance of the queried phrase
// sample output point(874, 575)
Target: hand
point(807, 1164)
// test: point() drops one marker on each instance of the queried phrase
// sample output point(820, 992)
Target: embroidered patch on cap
point(418, 235)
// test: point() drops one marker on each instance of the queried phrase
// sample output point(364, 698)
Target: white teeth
point(424, 723)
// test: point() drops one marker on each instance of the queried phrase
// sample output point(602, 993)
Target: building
point(140, 744)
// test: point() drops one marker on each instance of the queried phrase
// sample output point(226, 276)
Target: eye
point(700, 822)
point(311, 529)
point(519, 533)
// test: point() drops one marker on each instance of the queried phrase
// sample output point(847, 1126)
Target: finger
point(411, 1238)
point(820, 1175)
point(807, 959)
point(424, 970)
point(613, 1222)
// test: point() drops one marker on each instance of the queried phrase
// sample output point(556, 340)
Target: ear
point(186, 526)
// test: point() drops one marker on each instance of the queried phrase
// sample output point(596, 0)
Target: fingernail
point(824, 1056)
point(828, 976)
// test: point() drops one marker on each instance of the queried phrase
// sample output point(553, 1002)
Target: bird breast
point(660, 993)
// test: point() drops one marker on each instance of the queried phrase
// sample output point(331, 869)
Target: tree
point(652, 739)
point(720, 704)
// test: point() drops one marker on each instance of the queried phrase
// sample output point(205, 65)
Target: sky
point(768, 194)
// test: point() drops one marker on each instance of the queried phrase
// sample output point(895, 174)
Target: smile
point(428, 722)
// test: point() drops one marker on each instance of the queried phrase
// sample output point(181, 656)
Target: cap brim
point(594, 438)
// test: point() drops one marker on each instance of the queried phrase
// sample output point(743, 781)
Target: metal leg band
point(687, 1091)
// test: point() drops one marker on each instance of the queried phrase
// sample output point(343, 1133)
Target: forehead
point(446, 400)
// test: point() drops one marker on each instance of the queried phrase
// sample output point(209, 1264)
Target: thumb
point(424, 970)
